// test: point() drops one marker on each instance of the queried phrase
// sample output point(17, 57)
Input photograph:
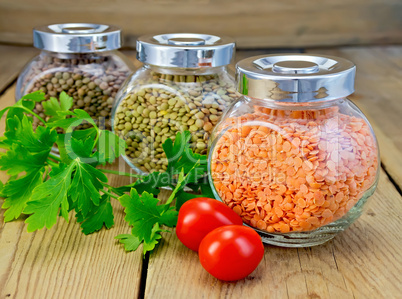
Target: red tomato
point(199, 216)
point(231, 252)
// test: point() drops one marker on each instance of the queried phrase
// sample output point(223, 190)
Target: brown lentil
point(91, 80)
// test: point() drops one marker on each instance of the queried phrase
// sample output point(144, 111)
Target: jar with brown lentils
point(183, 85)
point(81, 60)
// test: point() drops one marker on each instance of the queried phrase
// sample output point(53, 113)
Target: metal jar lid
point(77, 37)
point(295, 77)
point(185, 50)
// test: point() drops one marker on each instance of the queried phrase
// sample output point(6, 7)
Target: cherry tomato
point(231, 252)
point(199, 216)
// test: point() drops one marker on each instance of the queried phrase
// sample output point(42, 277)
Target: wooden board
point(12, 60)
point(378, 95)
point(253, 23)
point(362, 262)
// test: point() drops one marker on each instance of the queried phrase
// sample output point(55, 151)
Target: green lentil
point(160, 113)
point(152, 114)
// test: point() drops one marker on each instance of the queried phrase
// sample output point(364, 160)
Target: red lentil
point(285, 171)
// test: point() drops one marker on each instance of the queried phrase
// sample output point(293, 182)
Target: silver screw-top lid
point(77, 38)
point(185, 50)
point(295, 77)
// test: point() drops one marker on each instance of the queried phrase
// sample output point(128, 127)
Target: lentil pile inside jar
point(81, 60)
point(165, 104)
point(286, 170)
point(183, 85)
point(293, 154)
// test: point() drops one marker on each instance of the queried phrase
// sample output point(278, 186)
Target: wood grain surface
point(253, 23)
point(12, 60)
point(365, 261)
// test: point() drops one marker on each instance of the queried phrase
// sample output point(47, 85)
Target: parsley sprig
point(45, 186)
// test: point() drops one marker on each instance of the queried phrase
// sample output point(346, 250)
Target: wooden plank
point(378, 90)
point(254, 23)
point(64, 263)
point(362, 262)
point(11, 62)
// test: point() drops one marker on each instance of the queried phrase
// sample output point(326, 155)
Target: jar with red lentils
point(293, 156)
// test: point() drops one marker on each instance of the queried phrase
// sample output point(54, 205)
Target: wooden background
point(253, 23)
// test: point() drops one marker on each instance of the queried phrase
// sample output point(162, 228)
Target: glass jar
point(294, 157)
point(183, 85)
point(83, 61)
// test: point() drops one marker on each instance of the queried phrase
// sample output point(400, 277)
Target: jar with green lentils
point(81, 60)
point(183, 85)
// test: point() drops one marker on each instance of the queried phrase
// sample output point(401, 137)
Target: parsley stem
point(46, 173)
point(34, 114)
point(98, 132)
point(110, 194)
point(54, 157)
point(53, 164)
point(122, 173)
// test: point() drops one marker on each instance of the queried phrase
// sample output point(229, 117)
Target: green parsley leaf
point(47, 199)
point(25, 104)
point(183, 196)
point(80, 148)
point(153, 240)
point(109, 146)
point(85, 187)
point(129, 241)
point(78, 116)
point(61, 146)
point(169, 217)
point(206, 189)
point(146, 214)
point(175, 150)
point(180, 156)
point(18, 192)
point(36, 96)
point(63, 141)
point(151, 183)
point(74, 184)
point(20, 131)
point(18, 159)
point(99, 216)
point(141, 213)
point(201, 185)
point(86, 133)
point(53, 106)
